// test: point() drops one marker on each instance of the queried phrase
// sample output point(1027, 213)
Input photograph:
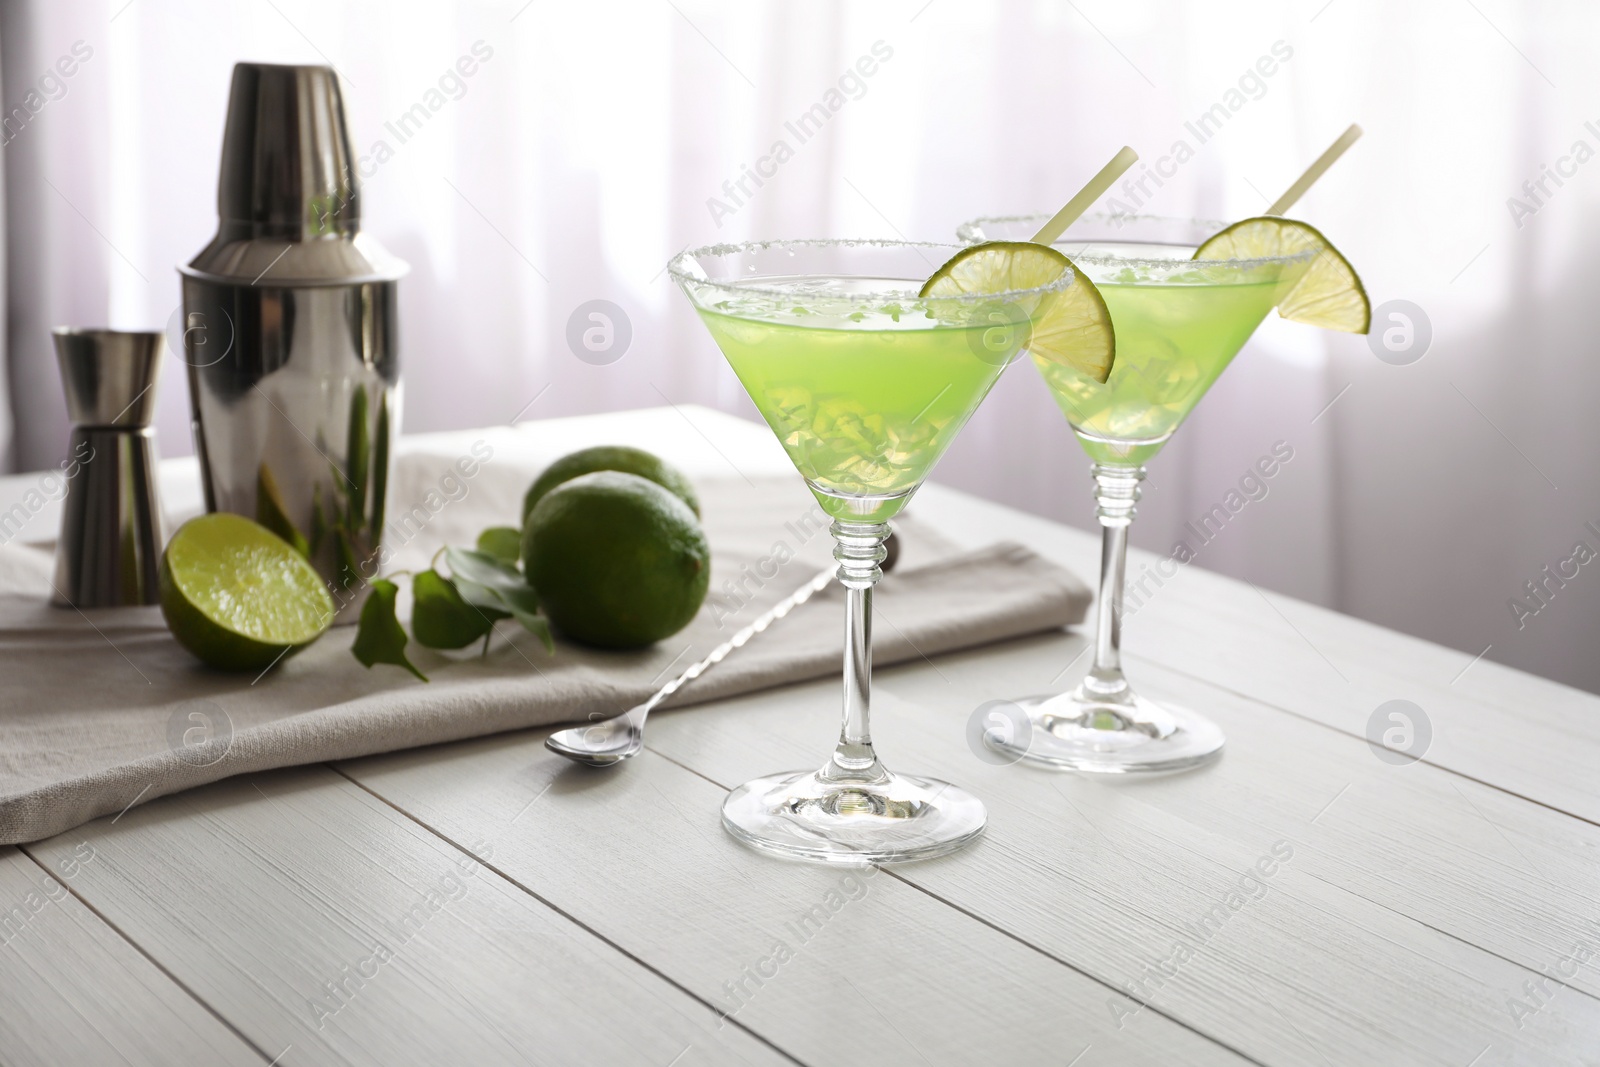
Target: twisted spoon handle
point(738, 640)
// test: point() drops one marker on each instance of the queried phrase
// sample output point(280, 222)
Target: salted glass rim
point(676, 269)
point(1108, 259)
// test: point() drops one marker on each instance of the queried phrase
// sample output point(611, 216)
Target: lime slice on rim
point(1327, 294)
point(238, 596)
point(1074, 326)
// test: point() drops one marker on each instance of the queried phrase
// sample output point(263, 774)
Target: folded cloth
point(102, 709)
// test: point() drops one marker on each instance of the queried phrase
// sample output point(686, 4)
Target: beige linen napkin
point(100, 710)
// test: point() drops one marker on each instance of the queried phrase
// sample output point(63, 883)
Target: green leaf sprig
point(484, 586)
point(379, 636)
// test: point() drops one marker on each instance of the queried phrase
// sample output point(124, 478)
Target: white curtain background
point(587, 148)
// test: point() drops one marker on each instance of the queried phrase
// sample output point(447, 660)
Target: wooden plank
point(329, 928)
point(72, 991)
point(879, 973)
point(1360, 946)
point(1531, 736)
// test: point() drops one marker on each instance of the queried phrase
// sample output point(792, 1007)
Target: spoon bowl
point(601, 744)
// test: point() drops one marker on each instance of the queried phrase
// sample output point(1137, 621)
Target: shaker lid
point(288, 195)
point(287, 167)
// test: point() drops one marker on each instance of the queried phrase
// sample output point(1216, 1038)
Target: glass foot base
point(803, 816)
point(1130, 735)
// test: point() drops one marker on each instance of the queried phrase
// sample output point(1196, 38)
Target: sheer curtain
point(594, 140)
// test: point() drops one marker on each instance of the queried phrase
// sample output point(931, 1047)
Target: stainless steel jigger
point(111, 529)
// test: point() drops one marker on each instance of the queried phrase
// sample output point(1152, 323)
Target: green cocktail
point(865, 383)
point(863, 406)
point(1183, 298)
point(1177, 327)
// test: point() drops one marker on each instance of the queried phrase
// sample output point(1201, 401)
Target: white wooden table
point(1302, 901)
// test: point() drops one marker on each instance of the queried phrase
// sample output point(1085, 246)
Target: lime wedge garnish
point(1326, 294)
point(238, 596)
point(996, 267)
point(1073, 325)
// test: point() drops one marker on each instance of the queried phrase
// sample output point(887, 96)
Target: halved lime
point(1071, 327)
point(1327, 294)
point(238, 596)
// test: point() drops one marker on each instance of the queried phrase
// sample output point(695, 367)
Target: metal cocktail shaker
point(289, 329)
point(111, 537)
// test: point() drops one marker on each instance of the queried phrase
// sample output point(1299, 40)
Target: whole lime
point(237, 595)
point(611, 458)
point(619, 562)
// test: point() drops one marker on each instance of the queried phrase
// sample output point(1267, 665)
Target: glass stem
point(1116, 494)
point(859, 549)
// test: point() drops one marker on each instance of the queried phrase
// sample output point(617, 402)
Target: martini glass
point(865, 384)
point(1178, 322)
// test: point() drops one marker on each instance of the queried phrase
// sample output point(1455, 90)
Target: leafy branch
point(484, 586)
